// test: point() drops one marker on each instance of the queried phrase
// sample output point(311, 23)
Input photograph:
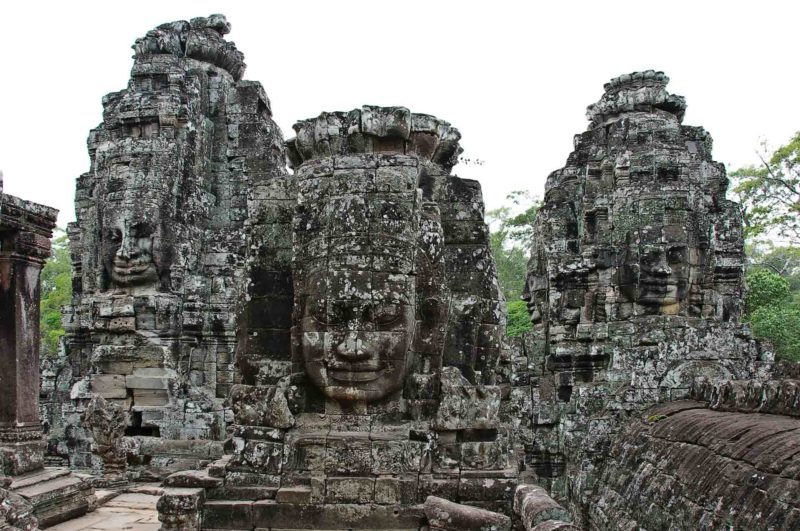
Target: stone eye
point(386, 314)
point(676, 255)
point(114, 235)
point(318, 311)
point(142, 230)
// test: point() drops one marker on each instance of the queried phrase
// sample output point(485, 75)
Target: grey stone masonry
point(635, 283)
point(323, 345)
point(159, 245)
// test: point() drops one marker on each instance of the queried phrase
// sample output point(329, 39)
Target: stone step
point(192, 478)
point(267, 514)
point(40, 476)
point(153, 489)
point(104, 496)
point(55, 494)
point(198, 449)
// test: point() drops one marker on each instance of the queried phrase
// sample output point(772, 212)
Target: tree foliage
point(770, 193)
point(781, 326)
point(511, 238)
point(56, 292)
point(765, 289)
point(772, 313)
point(519, 321)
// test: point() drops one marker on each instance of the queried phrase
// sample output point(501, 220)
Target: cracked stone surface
point(158, 247)
point(326, 342)
point(635, 283)
point(685, 465)
point(127, 511)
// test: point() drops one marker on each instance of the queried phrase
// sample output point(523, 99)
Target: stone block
point(224, 514)
point(109, 385)
point(150, 397)
point(298, 495)
point(150, 378)
point(217, 468)
point(192, 479)
point(450, 516)
point(396, 456)
point(268, 514)
point(486, 489)
point(348, 455)
point(263, 456)
point(21, 457)
point(392, 490)
point(349, 490)
point(442, 487)
point(181, 509)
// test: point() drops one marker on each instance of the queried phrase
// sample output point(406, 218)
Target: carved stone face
point(355, 341)
point(128, 248)
point(656, 275)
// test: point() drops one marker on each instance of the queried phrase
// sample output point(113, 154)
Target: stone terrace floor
point(130, 510)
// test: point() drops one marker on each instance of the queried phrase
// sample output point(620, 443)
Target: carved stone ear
point(430, 241)
point(430, 309)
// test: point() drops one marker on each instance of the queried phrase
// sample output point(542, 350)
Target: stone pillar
point(25, 232)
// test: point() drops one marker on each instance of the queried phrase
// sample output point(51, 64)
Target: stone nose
point(127, 247)
point(352, 348)
point(662, 268)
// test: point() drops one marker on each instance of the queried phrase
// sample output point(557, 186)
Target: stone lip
point(201, 39)
point(29, 225)
point(371, 129)
point(635, 92)
point(23, 214)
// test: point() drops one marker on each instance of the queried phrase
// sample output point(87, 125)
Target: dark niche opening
point(136, 427)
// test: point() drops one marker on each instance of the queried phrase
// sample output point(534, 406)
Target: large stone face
point(159, 244)
point(635, 281)
point(342, 326)
point(394, 379)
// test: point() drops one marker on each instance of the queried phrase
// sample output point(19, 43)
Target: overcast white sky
point(514, 77)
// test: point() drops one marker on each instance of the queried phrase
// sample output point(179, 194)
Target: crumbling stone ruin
point(393, 387)
point(159, 247)
point(30, 495)
point(325, 348)
point(726, 458)
point(635, 283)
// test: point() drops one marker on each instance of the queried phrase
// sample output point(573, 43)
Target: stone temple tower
point(158, 248)
point(636, 276)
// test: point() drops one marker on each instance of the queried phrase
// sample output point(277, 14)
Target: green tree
point(765, 289)
point(519, 320)
point(56, 292)
point(781, 326)
point(511, 237)
point(772, 314)
point(770, 193)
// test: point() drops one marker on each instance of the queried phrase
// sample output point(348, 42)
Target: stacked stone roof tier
point(375, 130)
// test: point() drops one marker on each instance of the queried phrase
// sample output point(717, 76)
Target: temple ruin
point(30, 494)
point(310, 334)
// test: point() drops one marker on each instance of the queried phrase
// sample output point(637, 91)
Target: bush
point(772, 314)
point(781, 326)
point(56, 292)
point(765, 288)
point(519, 321)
